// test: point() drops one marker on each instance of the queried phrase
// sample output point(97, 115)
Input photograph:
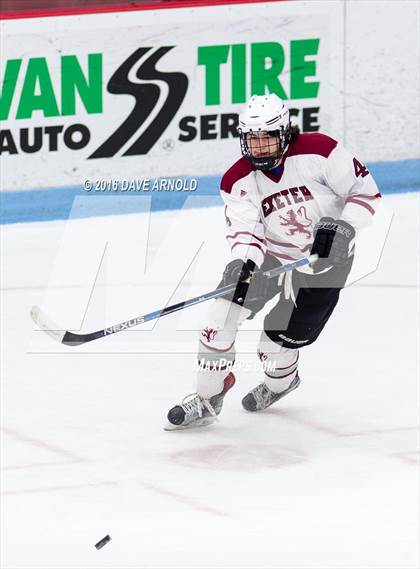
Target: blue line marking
point(56, 203)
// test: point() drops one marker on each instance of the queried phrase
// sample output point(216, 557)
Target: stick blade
point(45, 324)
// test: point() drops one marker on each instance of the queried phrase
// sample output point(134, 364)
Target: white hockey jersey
point(275, 213)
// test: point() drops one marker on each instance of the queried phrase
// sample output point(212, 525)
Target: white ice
point(327, 478)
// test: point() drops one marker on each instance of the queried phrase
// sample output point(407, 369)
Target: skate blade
point(195, 425)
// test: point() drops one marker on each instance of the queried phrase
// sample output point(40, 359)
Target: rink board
point(157, 93)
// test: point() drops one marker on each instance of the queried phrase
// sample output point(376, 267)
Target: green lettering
point(37, 75)
point(212, 57)
point(266, 79)
point(9, 86)
point(73, 81)
point(239, 73)
point(300, 69)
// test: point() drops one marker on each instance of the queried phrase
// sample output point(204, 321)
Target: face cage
point(265, 162)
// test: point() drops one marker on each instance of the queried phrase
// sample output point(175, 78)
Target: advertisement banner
point(157, 94)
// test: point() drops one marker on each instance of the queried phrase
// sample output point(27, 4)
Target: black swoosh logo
point(147, 96)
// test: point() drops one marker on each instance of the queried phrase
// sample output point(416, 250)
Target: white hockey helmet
point(265, 114)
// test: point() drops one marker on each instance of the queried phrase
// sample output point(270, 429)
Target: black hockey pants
point(316, 296)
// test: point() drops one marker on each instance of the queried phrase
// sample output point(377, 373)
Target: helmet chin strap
point(265, 163)
point(268, 162)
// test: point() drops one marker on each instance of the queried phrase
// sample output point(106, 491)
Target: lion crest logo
point(297, 221)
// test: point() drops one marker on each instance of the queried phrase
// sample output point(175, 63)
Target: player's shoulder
point(236, 172)
point(312, 143)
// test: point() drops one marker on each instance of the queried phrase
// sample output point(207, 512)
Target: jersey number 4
point(359, 169)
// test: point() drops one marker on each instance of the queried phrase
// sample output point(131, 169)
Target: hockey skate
point(195, 411)
point(261, 397)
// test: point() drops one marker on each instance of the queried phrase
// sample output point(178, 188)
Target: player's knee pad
point(216, 354)
point(221, 327)
point(279, 363)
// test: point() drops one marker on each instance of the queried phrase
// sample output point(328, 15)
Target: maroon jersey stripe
point(280, 244)
point(359, 202)
point(246, 233)
point(217, 349)
point(366, 196)
point(248, 245)
point(306, 248)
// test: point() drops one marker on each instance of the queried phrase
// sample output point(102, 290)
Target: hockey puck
point(102, 542)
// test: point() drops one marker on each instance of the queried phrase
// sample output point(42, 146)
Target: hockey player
point(289, 195)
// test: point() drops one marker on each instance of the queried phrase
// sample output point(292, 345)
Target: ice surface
point(328, 478)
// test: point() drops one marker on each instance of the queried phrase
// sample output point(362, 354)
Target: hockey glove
point(332, 242)
point(251, 283)
point(238, 271)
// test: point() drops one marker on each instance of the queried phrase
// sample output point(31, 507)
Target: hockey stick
point(70, 339)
